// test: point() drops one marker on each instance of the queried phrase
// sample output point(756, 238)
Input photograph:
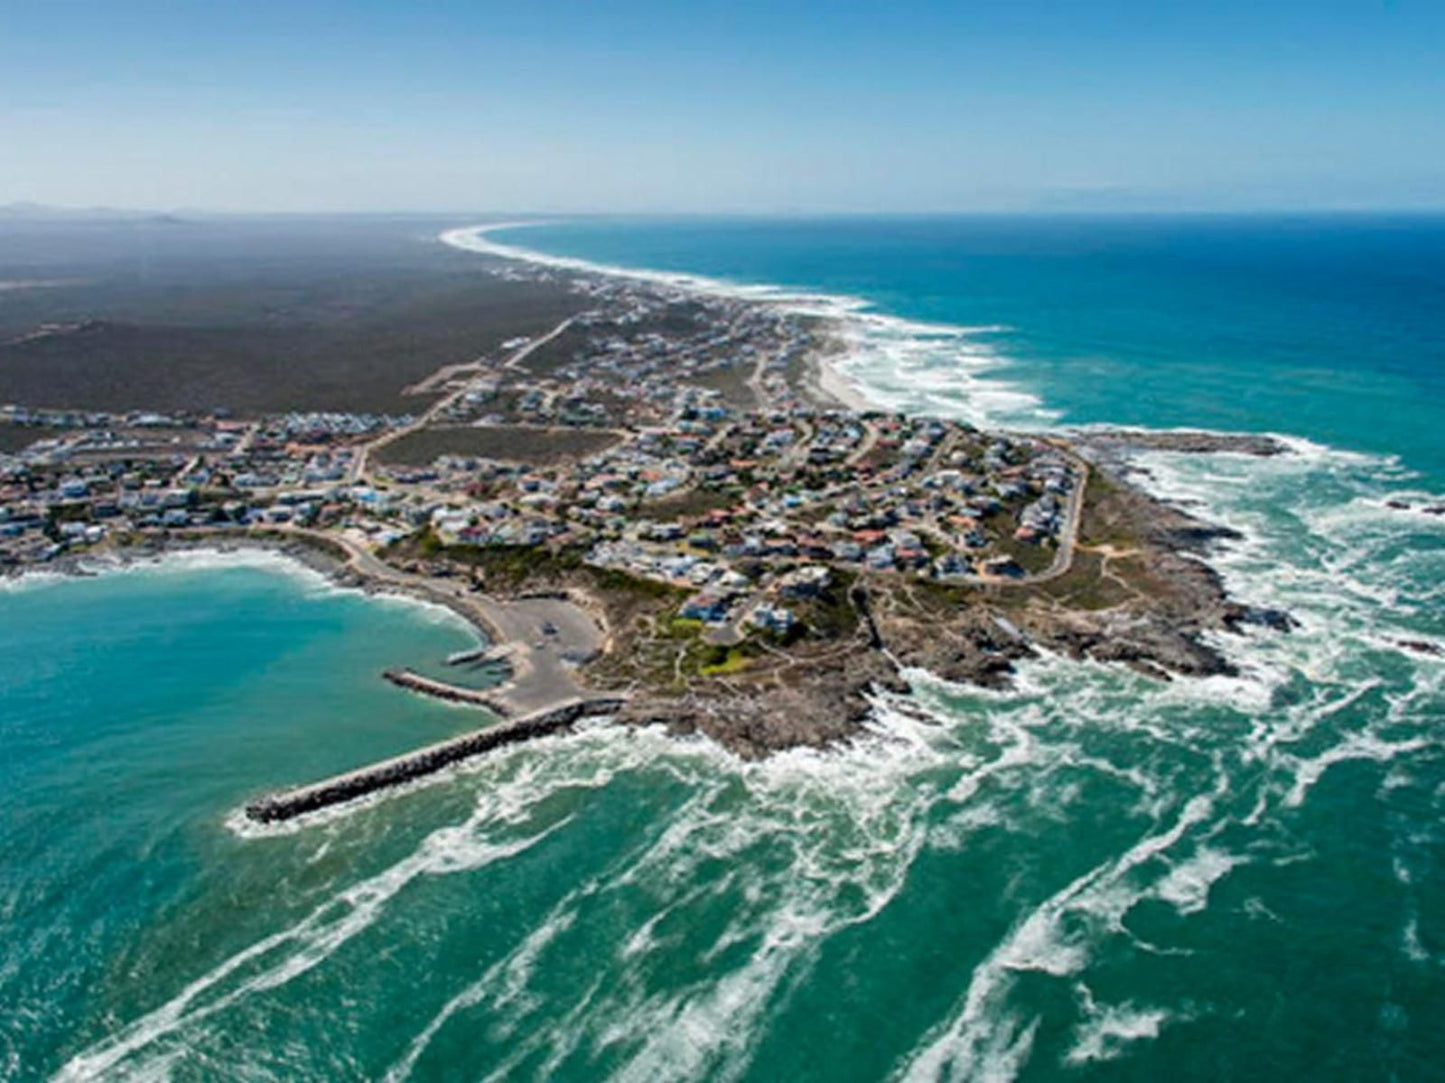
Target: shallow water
point(1092, 875)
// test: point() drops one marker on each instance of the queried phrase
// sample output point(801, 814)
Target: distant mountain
point(24, 210)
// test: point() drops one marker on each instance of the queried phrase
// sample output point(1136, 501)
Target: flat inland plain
point(251, 316)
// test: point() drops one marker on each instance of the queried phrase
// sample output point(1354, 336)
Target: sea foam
point(896, 363)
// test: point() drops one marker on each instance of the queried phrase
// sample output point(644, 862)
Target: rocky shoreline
point(1112, 443)
point(1168, 626)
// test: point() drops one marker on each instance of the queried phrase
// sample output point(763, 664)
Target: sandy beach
point(831, 385)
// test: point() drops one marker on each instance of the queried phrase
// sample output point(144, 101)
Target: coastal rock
point(1274, 619)
point(1138, 595)
point(797, 710)
point(288, 804)
point(1191, 442)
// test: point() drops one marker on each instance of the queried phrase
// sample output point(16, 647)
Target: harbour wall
point(288, 804)
point(427, 686)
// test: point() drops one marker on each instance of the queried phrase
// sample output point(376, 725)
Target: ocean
point(1091, 875)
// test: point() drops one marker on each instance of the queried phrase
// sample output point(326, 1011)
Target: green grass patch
point(734, 660)
point(1084, 587)
point(1032, 557)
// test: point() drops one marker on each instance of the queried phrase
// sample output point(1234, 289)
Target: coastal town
point(667, 506)
point(668, 438)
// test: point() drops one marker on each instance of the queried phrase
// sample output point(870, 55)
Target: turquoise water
point(141, 706)
point(1090, 876)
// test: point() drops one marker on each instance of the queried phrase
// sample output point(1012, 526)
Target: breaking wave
point(896, 363)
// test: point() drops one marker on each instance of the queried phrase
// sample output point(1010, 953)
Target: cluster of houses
point(636, 358)
point(13, 414)
point(730, 506)
point(724, 482)
point(722, 503)
point(91, 475)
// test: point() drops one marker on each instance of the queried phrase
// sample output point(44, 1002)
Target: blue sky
point(751, 107)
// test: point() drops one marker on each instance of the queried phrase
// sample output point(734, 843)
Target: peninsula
point(665, 506)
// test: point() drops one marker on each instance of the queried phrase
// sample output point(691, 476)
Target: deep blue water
point(1329, 328)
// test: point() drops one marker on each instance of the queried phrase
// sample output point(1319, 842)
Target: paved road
point(1064, 558)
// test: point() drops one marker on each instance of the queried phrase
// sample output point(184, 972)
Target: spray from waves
point(1361, 681)
point(1107, 1030)
point(505, 823)
point(1322, 535)
point(983, 1039)
point(898, 364)
point(783, 855)
point(318, 584)
point(188, 560)
point(1321, 540)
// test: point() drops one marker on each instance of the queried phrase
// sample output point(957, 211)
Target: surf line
point(865, 333)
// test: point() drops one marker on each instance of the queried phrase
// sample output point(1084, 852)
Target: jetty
point(288, 804)
point(482, 655)
point(413, 681)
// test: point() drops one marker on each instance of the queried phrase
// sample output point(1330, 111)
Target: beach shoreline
point(498, 623)
point(824, 383)
point(828, 386)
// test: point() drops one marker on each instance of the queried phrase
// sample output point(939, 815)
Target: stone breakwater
point(288, 804)
point(452, 693)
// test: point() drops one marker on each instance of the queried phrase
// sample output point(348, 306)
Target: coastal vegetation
point(317, 318)
point(534, 445)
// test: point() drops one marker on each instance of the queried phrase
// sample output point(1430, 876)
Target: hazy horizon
point(646, 108)
point(35, 211)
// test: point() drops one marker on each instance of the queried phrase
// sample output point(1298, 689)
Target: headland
point(667, 505)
